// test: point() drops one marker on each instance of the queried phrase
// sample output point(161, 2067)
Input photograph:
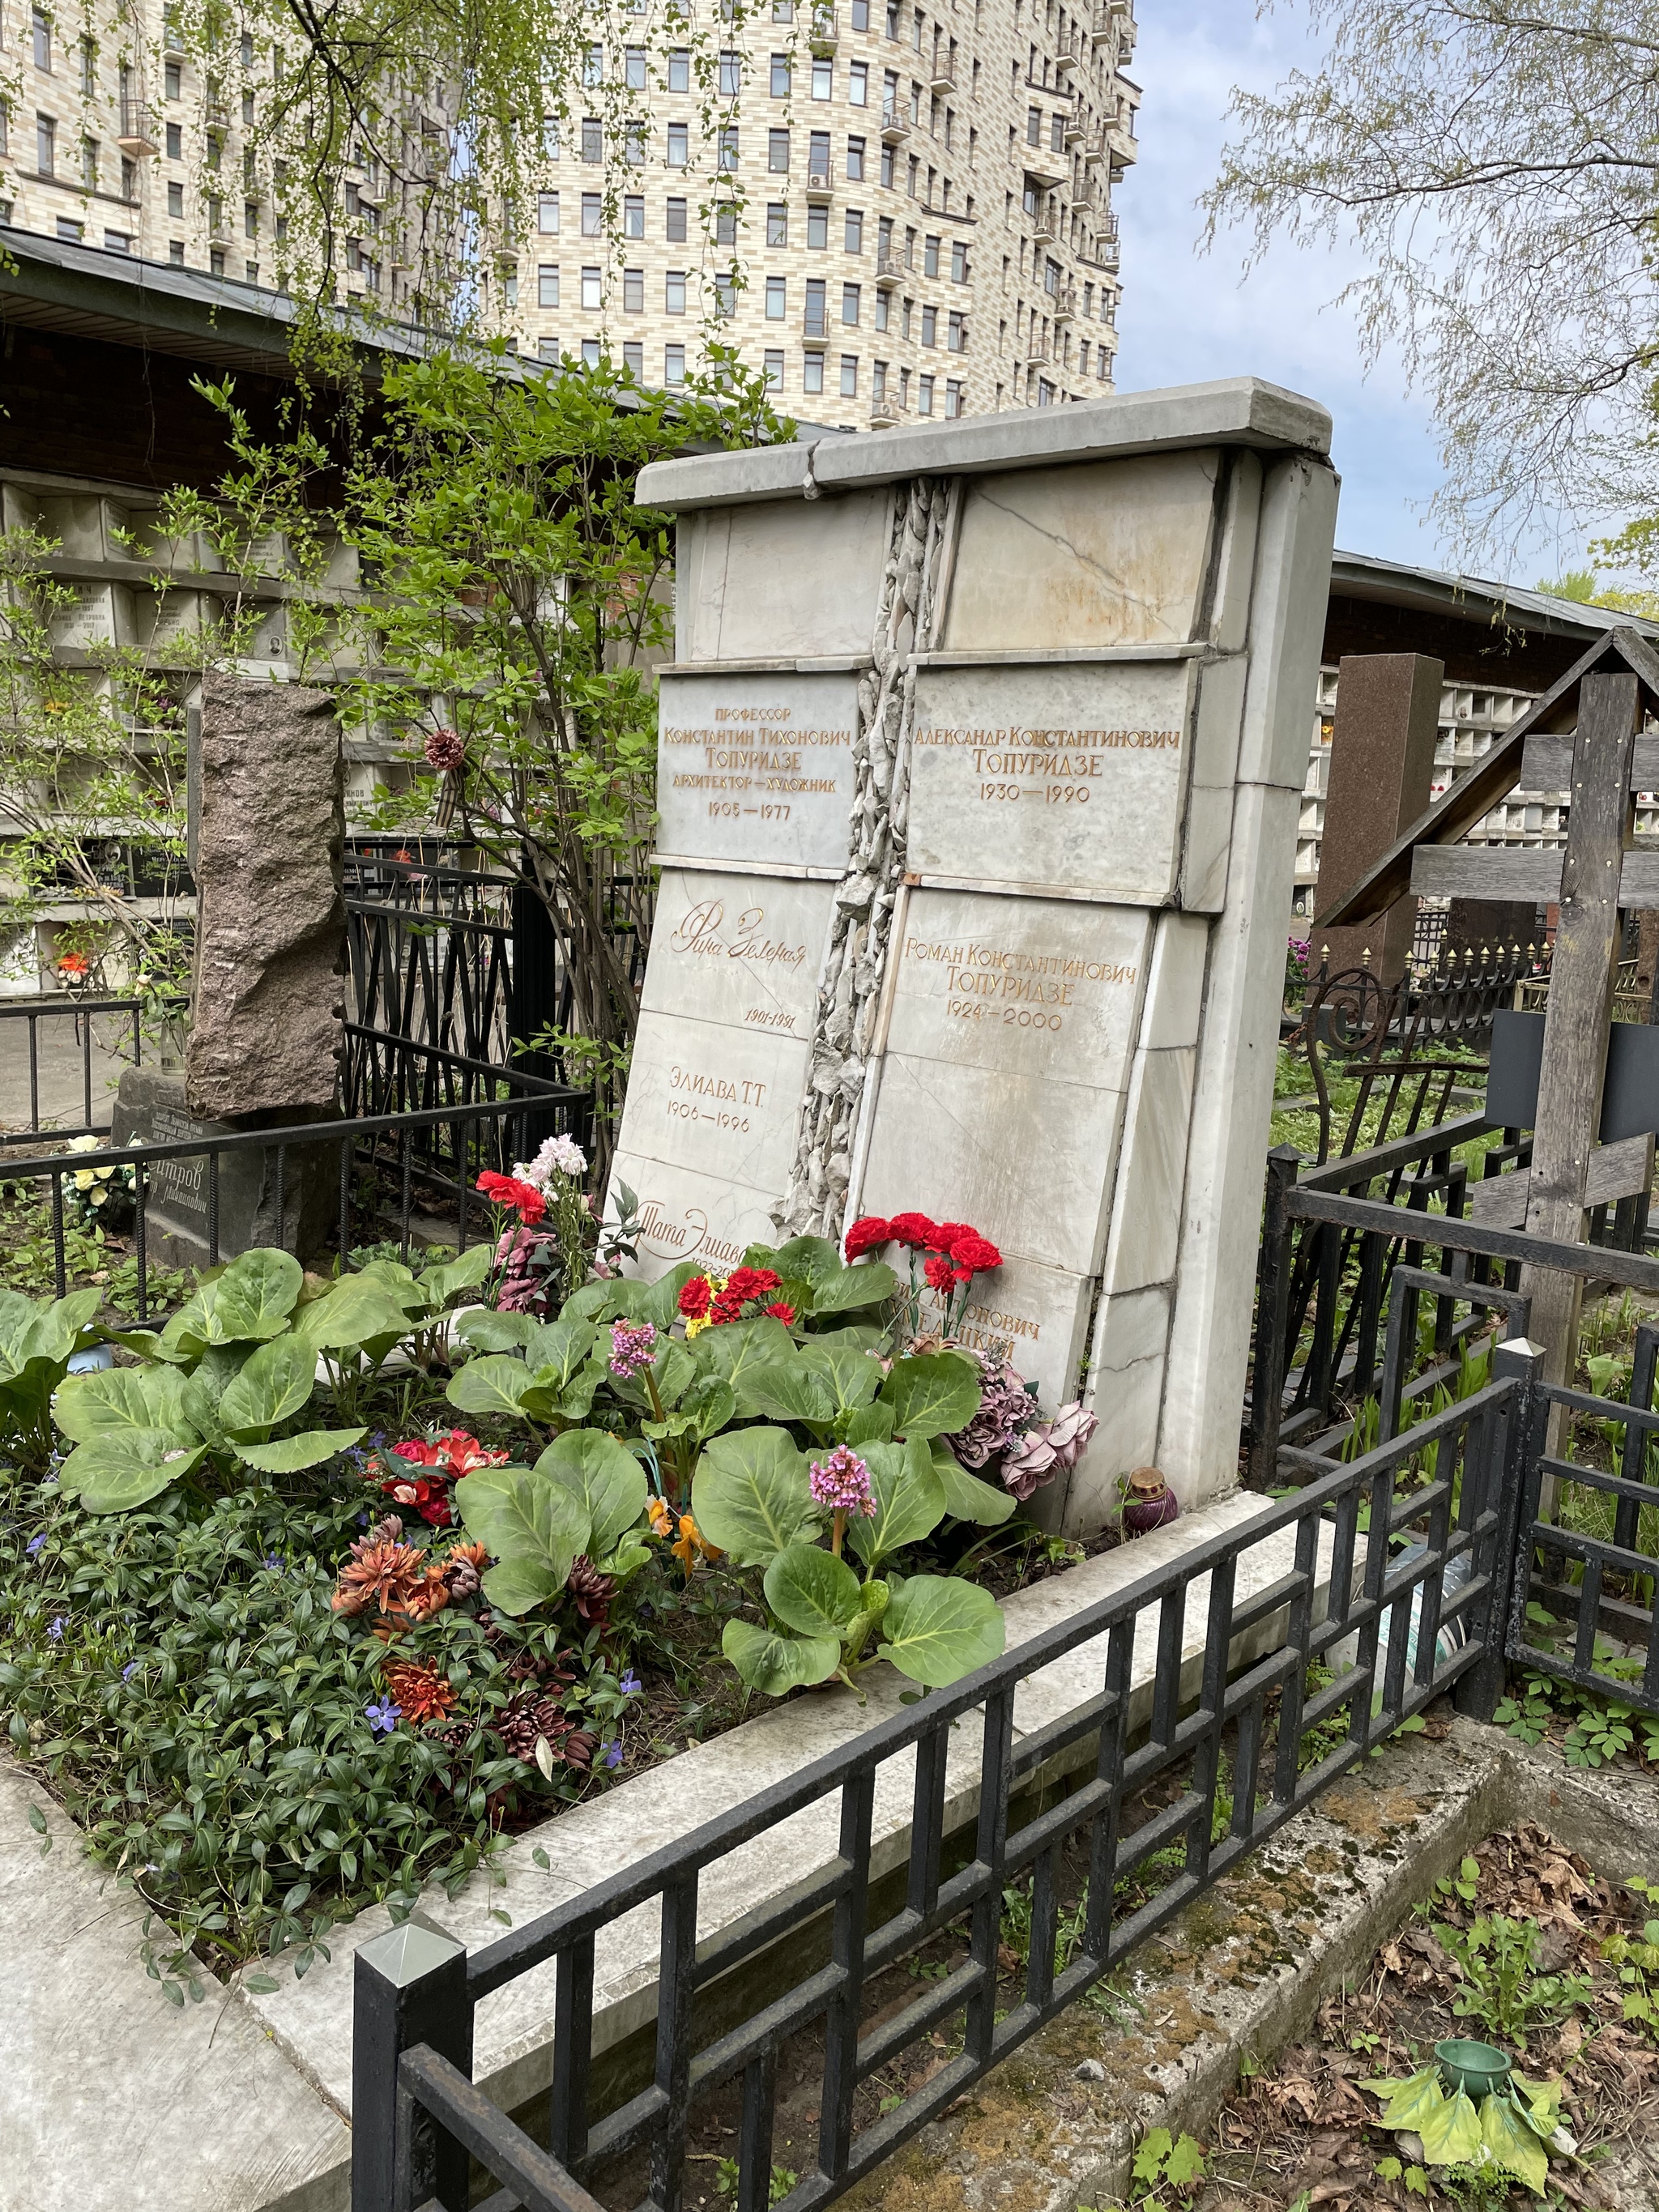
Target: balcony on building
point(140, 135)
point(883, 413)
point(1063, 303)
point(1040, 169)
point(889, 266)
point(1045, 225)
point(820, 184)
point(823, 32)
point(895, 127)
point(942, 80)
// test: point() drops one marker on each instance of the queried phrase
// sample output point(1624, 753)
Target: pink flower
point(632, 1348)
point(841, 1483)
point(445, 749)
point(1051, 1448)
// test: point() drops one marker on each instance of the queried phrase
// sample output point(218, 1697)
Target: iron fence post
point(1272, 1307)
point(411, 1989)
point(1478, 1692)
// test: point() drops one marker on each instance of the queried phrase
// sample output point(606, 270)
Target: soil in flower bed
point(1304, 2133)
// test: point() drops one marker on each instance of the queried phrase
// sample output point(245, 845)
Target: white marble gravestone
point(981, 759)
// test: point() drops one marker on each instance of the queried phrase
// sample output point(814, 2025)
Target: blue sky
point(1185, 317)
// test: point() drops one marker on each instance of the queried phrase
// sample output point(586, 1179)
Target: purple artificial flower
point(384, 1717)
point(1051, 1448)
point(34, 1543)
point(841, 1483)
point(613, 1753)
point(632, 1348)
point(56, 1629)
point(630, 1684)
point(1005, 1408)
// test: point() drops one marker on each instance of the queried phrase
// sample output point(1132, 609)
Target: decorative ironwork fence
point(1169, 1790)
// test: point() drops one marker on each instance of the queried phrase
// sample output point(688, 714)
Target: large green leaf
point(441, 1283)
point(493, 1385)
point(870, 1282)
point(774, 1664)
point(605, 1302)
point(116, 1400)
point(968, 1497)
point(277, 1382)
point(933, 1396)
point(554, 1353)
point(737, 1346)
point(354, 1310)
point(790, 1390)
point(288, 1454)
point(254, 1297)
point(184, 1338)
point(810, 1260)
point(535, 1526)
point(750, 1495)
point(661, 1303)
point(871, 1425)
point(1512, 2142)
point(606, 1479)
point(1451, 2135)
point(47, 1329)
point(487, 1330)
point(116, 1472)
point(939, 1628)
point(812, 1593)
point(910, 1500)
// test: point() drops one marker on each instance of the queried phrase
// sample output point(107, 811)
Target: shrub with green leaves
point(38, 1338)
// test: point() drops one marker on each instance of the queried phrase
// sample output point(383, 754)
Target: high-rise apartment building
point(895, 211)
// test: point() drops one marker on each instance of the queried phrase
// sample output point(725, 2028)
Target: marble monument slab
point(1063, 776)
point(756, 769)
point(740, 949)
point(739, 593)
point(1037, 1316)
point(719, 1100)
point(688, 1216)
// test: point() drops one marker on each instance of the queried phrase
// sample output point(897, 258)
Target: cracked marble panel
point(1027, 1159)
point(1109, 553)
point(1068, 777)
point(756, 768)
point(773, 579)
point(744, 950)
point(1030, 987)
point(718, 1100)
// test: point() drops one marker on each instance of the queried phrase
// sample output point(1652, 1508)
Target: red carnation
point(915, 1230)
point(973, 1255)
point(940, 1273)
point(866, 1235)
point(781, 1312)
point(695, 1297)
point(948, 1234)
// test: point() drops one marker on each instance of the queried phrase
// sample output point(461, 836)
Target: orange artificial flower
point(691, 1542)
point(421, 1691)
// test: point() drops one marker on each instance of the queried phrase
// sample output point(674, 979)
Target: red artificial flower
point(915, 1230)
point(743, 1286)
point(866, 1235)
point(451, 1455)
point(74, 963)
point(781, 1312)
point(940, 1273)
point(948, 1234)
point(974, 1253)
point(427, 1494)
point(526, 1202)
point(696, 1297)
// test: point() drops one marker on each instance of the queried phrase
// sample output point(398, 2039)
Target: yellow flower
point(691, 1542)
point(84, 1178)
point(695, 1328)
point(661, 1520)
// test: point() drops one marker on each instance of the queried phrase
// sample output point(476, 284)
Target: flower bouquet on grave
point(543, 1254)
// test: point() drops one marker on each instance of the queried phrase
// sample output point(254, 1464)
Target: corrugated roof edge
point(1477, 598)
point(1240, 410)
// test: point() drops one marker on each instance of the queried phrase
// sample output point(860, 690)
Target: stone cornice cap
point(1237, 410)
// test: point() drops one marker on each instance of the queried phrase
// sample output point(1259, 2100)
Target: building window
point(175, 142)
point(930, 257)
point(1034, 127)
point(173, 81)
point(924, 395)
point(783, 11)
point(857, 85)
point(814, 326)
point(817, 158)
point(855, 161)
point(725, 224)
point(634, 215)
point(250, 219)
point(634, 357)
point(849, 376)
point(1057, 133)
point(1051, 278)
point(956, 337)
point(673, 364)
point(42, 29)
point(823, 80)
point(776, 299)
point(860, 15)
point(509, 288)
point(550, 142)
point(46, 145)
point(726, 293)
point(904, 387)
point(88, 86)
point(633, 69)
point(593, 65)
point(887, 166)
point(635, 137)
point(547, 214)
point(817, 226)
point(678, 149)
point(71, 232)
point(89, 164)
point(673, 292)
point(679, 70)
point(952, 398)
point(772, 365)
point(547, 348)
point(674, 231)
point(633, 291)
point(929, 326)
point(849, 303)
point(882, 299)
point(780, 76)
point(777, 151)
point(547, 285)
point(593, 214)
point(1045, 393)
point(725, 157)
point(777, 223)
point(590, 353)
point(175, 199)
point(812, 377)
point(215, 260)
point(731, 73)
point(854, 234)
point(1083, 358)
point(117, 242)
point(593, 138)
point(877, 382)
point(176, 253)
point(959, 262)
point(592, 291)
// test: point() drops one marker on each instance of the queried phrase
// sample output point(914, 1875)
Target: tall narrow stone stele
point(270, 902)
point(980, 760)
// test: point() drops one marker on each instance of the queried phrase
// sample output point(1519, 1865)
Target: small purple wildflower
point(56, 1629)
point(272, 1560)
point(129, 1670)
point(632, 1348)
point(384, 1717)
point(613, 1753)
point(841, 1483)
point(34, 1543)
point(362, 1520)
point(630, 1684)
